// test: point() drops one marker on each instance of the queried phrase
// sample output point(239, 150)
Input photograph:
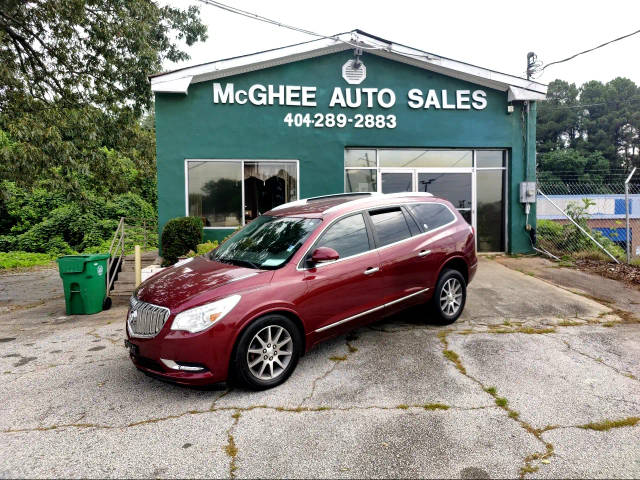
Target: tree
point(597, 118)
point(558, 118)
point(73, 79)
point(89, 52)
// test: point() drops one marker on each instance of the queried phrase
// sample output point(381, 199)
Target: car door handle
point(371, 270)
point(424, 253)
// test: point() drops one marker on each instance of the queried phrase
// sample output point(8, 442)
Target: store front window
point(230, 193)
point(472, 180)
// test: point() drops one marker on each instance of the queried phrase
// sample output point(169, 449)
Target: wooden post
point(138, 266)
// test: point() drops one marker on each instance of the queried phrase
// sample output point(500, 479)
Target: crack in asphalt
point(350, 351)
point(237, 409)
point(501, 402)
point(600, 361)
point(230, 448)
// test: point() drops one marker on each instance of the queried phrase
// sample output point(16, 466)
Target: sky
point(491, 34)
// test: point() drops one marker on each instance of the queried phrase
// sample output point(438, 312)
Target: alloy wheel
point(269, 352)
point(451, 296)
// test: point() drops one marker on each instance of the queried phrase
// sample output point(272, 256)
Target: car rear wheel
point(267, 352)
point(449, 297)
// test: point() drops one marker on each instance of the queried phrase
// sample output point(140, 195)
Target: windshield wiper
point(241, 262)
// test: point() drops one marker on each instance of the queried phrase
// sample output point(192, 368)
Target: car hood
point(175, 285)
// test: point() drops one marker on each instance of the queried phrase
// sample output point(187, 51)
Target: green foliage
point(596, 118)
point(24, 259)
point(571, 166)
point(95, 52)
point(566, 237)
point(203, 248)
point(179, 236)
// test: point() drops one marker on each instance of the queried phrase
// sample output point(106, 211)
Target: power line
point(589, 50)
point(260, 18)
point(255, 16)
point(625, 102)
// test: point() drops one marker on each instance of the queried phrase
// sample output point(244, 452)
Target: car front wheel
point(449, 297)
point(267, 352)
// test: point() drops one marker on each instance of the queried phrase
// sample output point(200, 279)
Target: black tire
point(106, 304)
point(447, 314)
point(241, 356)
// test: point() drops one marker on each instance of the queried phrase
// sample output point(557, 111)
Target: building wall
point(192, 126)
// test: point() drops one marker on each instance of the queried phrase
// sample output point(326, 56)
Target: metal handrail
point(118, 242)
point(117, 247)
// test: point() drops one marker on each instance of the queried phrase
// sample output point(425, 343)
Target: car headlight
point(200, 318)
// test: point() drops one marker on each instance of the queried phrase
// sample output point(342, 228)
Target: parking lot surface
point(532, 381)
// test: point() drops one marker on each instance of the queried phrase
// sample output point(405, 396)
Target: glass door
point(456, 187)
point(393, 181)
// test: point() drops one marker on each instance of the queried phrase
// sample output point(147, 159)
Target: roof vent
point(354, 72)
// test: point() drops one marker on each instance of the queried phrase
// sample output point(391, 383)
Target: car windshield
point(267, 242)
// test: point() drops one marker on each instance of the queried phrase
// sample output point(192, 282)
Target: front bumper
point(210, 349)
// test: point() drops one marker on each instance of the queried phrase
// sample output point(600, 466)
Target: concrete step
point(128, 276)
point(121, 293)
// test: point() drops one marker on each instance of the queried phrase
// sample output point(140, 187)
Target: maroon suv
point(303, 272)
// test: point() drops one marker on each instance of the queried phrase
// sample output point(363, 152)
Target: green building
point(355, 112)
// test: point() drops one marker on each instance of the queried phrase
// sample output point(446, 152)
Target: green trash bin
point(85, 284)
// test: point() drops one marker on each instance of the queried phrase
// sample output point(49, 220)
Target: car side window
point(347, 236)
point(431, 215)
point(389, 226)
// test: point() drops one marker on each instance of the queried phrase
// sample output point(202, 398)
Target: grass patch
point(501, 401)
point(230, 448)
point(338, 358)
point(403, 406)
point(609, 424)
point(491, 390)
point(513, 414)
point(436, 406)
point(11, 260)
point(568, 323)
point(453, 357)
point(528, 469)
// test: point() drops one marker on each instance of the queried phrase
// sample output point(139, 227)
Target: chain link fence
point(589, 221)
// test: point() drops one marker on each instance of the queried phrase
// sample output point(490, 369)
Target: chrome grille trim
point(145, 320)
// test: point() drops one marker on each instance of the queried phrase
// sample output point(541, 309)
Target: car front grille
point(146, 319)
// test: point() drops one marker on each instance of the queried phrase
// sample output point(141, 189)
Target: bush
point(203, 248)
point(179, 236)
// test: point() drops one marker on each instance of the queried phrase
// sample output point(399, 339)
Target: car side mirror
point(323, 254)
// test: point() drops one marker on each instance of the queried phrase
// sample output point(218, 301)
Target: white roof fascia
point(516, 93)
point(178, 81)
point(248, 63)
point(176, 85)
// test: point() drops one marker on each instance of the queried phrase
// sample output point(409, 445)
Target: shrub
point(130, 205)
point(179, 236)
point(203, 248)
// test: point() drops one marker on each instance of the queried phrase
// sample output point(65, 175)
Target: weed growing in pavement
point(609, 424)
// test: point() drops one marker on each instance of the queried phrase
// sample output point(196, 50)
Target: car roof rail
point(338, 195)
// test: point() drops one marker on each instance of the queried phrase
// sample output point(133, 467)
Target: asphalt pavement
point(533, 381)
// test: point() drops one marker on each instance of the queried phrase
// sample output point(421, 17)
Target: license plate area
point(133, 349)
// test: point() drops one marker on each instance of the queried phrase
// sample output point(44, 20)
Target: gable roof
point(178, 81)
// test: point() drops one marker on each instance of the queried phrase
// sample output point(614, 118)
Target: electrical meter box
point(528, 192)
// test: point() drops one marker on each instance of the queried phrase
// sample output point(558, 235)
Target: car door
point(340, 292)
point(394, 232)
point(436, 221)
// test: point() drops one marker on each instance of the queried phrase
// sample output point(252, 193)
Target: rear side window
point(347, 236)
point(389, 226)
point(431, 215)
